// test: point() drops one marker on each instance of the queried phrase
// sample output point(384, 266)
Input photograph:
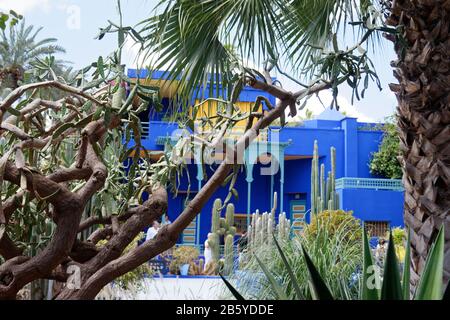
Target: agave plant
point(391, 286)
point(335, 243)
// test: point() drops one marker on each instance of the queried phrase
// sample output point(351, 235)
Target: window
point(376, 228)
point(240, 222)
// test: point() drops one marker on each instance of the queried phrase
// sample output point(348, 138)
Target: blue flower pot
point(184, 269)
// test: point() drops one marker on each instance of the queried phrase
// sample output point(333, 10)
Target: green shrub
point(384, 162)
point(399, 238)
point(334, 221)
point(393, 285)
point(182, 255)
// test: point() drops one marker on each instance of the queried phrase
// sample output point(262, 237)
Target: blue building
point(376, 201)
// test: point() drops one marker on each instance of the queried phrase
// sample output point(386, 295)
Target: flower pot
point(184, 269)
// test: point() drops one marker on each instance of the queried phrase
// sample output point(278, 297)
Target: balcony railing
point(235, 134)
point(368, 183)
point(145, 130)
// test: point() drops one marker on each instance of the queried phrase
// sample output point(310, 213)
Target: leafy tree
point(385, 162)
point(62, 176)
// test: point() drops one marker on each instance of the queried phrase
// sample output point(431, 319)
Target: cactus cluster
point(323, 192)
point(222, 227)
point(263, 226)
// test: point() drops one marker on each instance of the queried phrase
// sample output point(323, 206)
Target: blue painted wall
point(367, 204)
point(368, 142)
point(354, 144)
point(374, 205)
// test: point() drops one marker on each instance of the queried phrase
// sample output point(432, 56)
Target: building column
point(272, 181)
point(199, 179)
point(249, 179)
point(281, 162)
point(350, 127)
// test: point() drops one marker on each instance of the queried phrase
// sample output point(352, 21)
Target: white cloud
point(131, 55)
point(133, 58)
point(25, 6)
point(315, 105)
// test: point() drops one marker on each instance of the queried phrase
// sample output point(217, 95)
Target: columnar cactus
point(222, 227)
point(322, 187)
point(264, 226)
point(201, 265)
point(215, 224)
point(323, 193)
point(333, 179)
point(228, 254)
point(214, 244)
point(258, 228)
point(315, 179)
point(230, 229)
point(264, 220)
point(284, 226)
point(216, 230)
point(270, 230)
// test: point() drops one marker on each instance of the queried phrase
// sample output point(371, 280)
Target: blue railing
point(162, 140)
point(368, 183)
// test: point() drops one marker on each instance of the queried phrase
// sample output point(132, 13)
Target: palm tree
point(307, 38)
point(18, 48)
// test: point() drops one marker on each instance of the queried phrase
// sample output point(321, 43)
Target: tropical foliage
point(21, 52)
point(62, 174)
point(307, 41)
point(53, 196)
point(11, 19)
point(391, 286)
point(192, 40)
point(335, 248)
point(385, 161)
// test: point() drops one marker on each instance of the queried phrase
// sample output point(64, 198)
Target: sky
point(75, 23)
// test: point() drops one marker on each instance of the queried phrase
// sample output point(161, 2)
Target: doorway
point(298, 212)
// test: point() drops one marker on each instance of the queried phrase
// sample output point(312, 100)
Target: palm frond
point(189, 39)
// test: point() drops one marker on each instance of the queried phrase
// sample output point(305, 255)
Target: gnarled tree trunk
point(423, 72)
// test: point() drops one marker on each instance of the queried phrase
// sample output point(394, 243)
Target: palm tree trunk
point(9, 78)
point(423, 72)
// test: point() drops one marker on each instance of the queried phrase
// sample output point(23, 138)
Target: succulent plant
point(222, 227)
point(323, 192)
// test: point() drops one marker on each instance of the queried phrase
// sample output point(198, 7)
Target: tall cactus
point(230, 229)
point(222, 227)
point(315, 178)
point(228, 255)
point(215, 225)
point(323, 192)
point(322, 187)
point(264, 226)
point(214, 236)
point(214, 244)
point(229, 239)
point(333, 179)
point(284, 226)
